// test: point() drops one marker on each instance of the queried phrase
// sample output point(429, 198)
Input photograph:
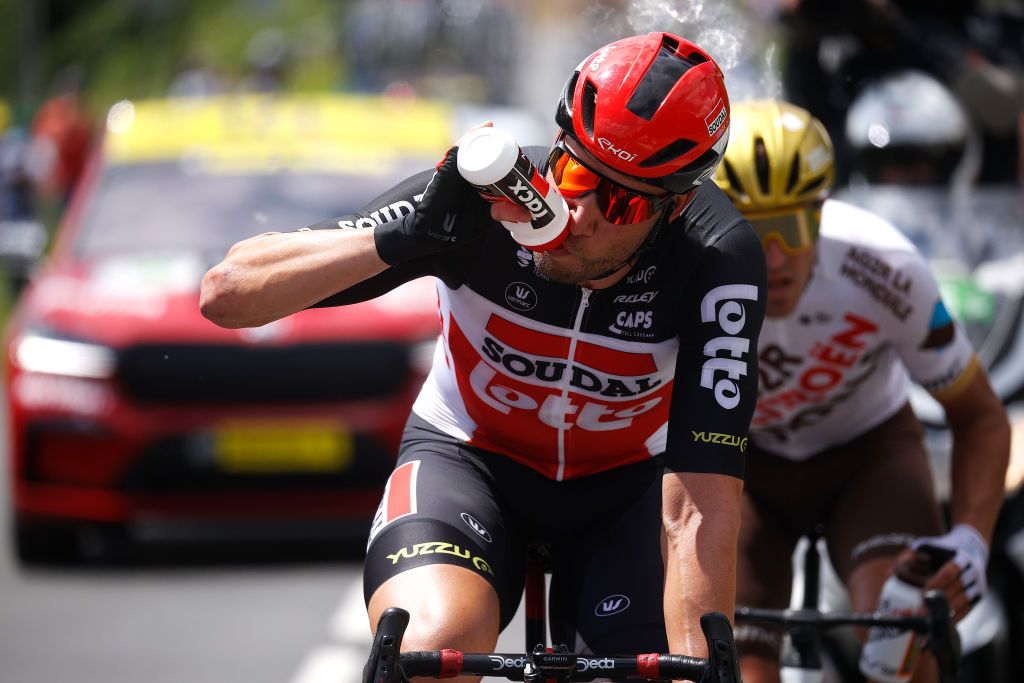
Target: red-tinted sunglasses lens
point(619, 205)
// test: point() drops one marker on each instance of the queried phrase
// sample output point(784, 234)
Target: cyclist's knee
point(449, 607)
point(758, 648)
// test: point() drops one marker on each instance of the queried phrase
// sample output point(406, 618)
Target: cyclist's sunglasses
point(795, 230)
point(620, 205)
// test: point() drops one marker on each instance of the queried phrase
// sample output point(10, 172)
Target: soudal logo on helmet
point(714, 120)
point(601, 56)
point(609, 146)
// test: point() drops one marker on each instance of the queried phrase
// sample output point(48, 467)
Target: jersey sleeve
point(931, 344)
point(394, 204)
point(715, 386)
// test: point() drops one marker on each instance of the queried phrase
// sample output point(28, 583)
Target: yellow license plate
point(286, 447)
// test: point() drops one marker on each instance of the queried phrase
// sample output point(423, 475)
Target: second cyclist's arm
point(981, 452)
point(715, 390)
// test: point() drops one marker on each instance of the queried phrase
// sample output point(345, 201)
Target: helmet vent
point(762, 166)
point(794, 174)
point(587, 107)
point(813, 185)
point(664, 72)
point(734, 181)
point(668, 153)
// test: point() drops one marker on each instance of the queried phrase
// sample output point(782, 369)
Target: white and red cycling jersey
point(870, 319)
point(571, 381)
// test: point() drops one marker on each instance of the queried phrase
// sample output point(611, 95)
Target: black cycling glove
point(448, 216)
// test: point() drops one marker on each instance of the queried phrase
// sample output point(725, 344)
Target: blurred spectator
point(834, 48)
point(907, 128)
point(196, 79)
point(61, 135)
point(461, 50)
point(22, 236)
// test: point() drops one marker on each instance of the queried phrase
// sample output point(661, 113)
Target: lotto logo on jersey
point(726, 354)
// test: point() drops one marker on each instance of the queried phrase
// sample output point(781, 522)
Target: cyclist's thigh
point(606, 585)
point(888, 501)
point(439, 509)
point(780, 502)
point(768, 535)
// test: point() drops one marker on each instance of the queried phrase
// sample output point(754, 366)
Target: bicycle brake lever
point(723, 664)
point(382, 666)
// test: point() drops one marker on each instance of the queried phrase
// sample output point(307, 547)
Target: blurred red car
point(129, 413)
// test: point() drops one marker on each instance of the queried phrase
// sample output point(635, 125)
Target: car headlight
point(36, 353)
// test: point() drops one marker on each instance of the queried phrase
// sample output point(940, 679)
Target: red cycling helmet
point(652, 107)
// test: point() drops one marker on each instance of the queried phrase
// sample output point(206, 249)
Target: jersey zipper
point(564, 424)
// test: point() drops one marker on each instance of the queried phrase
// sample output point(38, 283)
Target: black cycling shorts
point(447, 502)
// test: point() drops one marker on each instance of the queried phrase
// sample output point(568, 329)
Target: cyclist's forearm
point(273, 275)
point(701, 527)
point(981, 449)
point(978, 471)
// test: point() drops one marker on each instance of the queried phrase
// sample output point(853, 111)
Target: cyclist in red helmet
point(595, 396)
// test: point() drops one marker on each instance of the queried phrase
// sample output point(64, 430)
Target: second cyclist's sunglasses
point(619, 204)
point(794, 230)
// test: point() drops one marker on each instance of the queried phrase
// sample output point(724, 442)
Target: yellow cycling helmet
point(779, 157)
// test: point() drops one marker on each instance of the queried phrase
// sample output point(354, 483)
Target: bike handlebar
point(936, 623)
point(387, 664)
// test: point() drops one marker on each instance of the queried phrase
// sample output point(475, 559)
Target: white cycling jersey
point(838, 364)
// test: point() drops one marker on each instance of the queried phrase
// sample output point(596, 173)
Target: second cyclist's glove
point(448, 216)
point(971, 556)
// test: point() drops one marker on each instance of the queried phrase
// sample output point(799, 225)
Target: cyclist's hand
point(449, 215)
point(963, 577)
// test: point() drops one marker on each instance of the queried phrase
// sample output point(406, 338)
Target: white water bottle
point(491, 160)
point(890, 654)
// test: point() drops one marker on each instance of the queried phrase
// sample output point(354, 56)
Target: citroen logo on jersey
point(520, 296)
point(722, 305)
point(613, 604)
point(476, 526)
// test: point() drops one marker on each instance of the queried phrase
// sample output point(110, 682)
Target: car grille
point(306, 372)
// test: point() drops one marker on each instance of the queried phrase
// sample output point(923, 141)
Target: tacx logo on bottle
point(528, 191)
point(723, 305)
point(613, 604)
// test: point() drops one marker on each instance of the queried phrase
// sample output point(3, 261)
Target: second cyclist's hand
point(962, 578)
point(449, 215)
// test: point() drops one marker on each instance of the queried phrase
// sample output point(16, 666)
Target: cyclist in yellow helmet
point(852, 315)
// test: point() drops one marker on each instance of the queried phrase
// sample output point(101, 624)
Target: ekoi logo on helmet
point(716, 118)
point(621, 152)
